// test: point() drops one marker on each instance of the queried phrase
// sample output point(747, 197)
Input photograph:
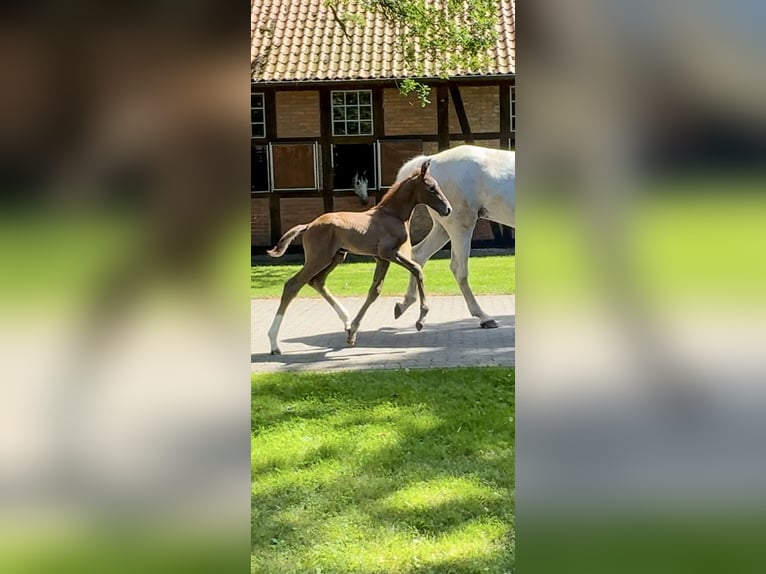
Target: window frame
point(345, 107)
point(262, 107)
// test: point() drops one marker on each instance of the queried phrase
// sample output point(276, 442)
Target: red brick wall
point(298, 114)
point(352, 204)
point(482, 106)
point(404, 116)
point(297, 210)
point(260, 228)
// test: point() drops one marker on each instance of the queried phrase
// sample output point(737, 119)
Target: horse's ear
point(424, 168)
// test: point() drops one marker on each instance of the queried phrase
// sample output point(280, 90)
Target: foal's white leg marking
point(273, 332)
point(422, 252)
point(342, 313)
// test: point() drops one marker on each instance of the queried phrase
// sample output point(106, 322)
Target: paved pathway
point(312, 337)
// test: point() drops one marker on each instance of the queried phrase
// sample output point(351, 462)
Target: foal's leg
point(318, 283)
point(311, 267)
point(461, 249)
point(421, 253)
point(400, 258)
point(381, 268)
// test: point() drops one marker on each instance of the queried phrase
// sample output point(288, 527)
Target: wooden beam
point(275, 211)
point(275, 218)
point(379, 127)
point(270, 103)
point(462, 117)
point(442, 117)
point(325, 146)
point(505, 115)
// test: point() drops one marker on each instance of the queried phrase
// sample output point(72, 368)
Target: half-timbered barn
point(326, 109)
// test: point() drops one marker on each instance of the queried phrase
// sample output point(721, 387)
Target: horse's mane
point(390, 193)
point(410, 166)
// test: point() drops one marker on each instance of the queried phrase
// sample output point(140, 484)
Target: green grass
point(383, 472)
point(488, 275)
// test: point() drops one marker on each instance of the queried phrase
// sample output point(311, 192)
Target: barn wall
point(297, 210)
point(260, 228)
point(482, 106)
point(297, 114)
point(352, 204)
point(404, 116)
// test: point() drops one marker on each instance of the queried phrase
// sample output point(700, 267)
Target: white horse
point(479, 183)
point(360, 183)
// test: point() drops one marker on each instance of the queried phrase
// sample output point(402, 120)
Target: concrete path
point(312, 337)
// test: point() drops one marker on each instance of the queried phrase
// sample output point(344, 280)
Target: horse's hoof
point(419, 325)
point(276, 352)
point(398, 310)
point(489, 324)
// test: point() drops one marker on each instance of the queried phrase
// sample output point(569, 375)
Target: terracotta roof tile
point(298, 40)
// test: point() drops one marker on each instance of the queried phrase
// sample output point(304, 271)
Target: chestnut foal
point(382, 231)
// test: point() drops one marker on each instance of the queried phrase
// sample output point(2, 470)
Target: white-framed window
point(351, 112)
point(257, 115)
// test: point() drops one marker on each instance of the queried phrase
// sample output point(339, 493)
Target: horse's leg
point(422, 252)
point(318, 283)
point(381, 268)
point(311, 267)
point(461, 249)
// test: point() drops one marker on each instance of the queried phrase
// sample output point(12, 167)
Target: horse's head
point(429, 192)
point(360, 186)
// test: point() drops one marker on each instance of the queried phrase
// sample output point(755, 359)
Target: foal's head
point(427, 190)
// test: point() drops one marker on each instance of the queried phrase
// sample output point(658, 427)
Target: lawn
point(383, 472)
point(487, 275)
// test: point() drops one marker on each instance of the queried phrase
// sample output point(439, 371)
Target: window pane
point(256, 115)
point(339, 128)
point(351, 98)
point(337, 99)
point(365, 113)
point(258, 130)
point(364, 97)
point(256, 100)
point(366, 128)
point(353, 128)
point(352, 113)
point(339, 113)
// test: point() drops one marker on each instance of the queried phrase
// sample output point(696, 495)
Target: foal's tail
point(286, 240)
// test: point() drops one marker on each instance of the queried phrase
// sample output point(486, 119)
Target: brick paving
point(312, 337)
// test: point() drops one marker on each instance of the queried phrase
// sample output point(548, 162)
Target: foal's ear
point(424, 168)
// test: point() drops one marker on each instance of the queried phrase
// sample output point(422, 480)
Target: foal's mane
point(393, 189)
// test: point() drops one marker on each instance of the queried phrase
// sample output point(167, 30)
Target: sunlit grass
point(393, 471)
point(487, 275)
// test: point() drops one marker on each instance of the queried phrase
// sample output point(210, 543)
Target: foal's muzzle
point(447, 210)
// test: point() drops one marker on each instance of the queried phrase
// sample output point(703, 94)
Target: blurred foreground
point(641, 310)
point(124, 383)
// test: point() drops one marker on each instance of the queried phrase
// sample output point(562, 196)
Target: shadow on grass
point(446, 427)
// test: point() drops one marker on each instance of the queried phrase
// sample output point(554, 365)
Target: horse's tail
point(286, 240)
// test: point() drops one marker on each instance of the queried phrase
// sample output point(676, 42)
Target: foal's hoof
point(489, 324)
point(398, 310)
point(419, 325)
point(351, 338)
point(276, 352)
